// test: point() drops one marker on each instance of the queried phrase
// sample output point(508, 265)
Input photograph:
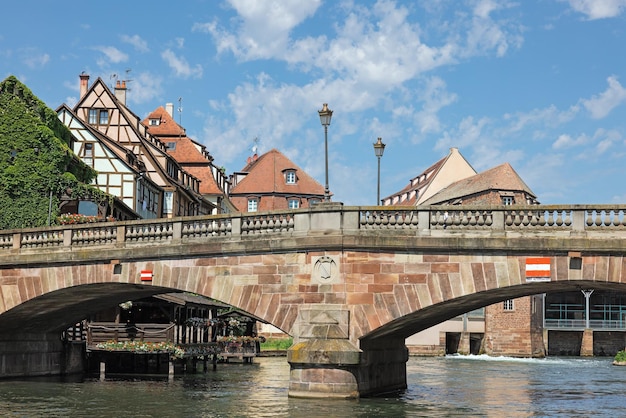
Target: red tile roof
point(190, 154)
point(499, 178)
point(266, 177)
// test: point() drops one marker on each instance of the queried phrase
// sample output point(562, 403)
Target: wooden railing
point(101, 332)
point(327, 218)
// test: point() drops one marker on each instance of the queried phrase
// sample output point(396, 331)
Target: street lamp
point(325, 115)
point(379, 148)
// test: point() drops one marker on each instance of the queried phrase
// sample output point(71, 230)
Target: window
point(88, 150)
point(88, 153)
point(104, 117)
point(507, 200)
point(294, 203)
point(154, 122)
point(98, 116)
point(290, 177)
point(508, 305)
point(253, 204)
point(171, 146)
point(93, 116)
point(168, 203)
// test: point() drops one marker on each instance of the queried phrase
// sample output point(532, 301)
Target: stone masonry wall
point(507, 333)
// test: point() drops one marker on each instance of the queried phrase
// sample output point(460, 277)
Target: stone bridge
point(348, 283)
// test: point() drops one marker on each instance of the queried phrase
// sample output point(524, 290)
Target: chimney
point(169, 108)
point(84, 84)
point(120, 91)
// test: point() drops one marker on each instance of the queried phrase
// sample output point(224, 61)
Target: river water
point(476, 386)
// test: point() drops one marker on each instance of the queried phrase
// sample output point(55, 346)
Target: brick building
point(513, 327)
point(273, 182)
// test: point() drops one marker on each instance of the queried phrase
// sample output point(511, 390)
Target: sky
point(540, 84)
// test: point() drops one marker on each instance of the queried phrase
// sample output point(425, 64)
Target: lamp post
point(325, 115)
point(379, 148)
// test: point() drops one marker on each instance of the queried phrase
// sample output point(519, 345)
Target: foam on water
point(570, 361)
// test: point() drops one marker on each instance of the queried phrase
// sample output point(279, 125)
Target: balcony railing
point(326, 218)
point(580, 324)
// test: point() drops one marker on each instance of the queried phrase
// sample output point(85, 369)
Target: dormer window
point(155, 122)
point(253, 204)
point(293, 203)
point(290, 177)
point(508, 198)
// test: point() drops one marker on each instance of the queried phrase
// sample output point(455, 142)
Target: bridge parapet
point(325, 218)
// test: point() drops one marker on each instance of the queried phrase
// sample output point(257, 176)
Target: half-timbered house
point(158, 185)
point(192, 156)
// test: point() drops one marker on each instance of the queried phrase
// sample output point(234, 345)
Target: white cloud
point(469, 133)
point(601, 105)
point(598, 9)
point(112, 54)
point(136, 41)
point(180, 65)
point(605, 139)
point(255, 37)
point(144, 88)
point(486, 34)
point(34, 59)
point(435, 97)
point(565, 141)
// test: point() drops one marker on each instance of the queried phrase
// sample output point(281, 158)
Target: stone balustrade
point(329, 217)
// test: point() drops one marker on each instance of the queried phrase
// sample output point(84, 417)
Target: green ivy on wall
point(37, 165)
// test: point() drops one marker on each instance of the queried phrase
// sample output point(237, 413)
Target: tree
point(37, 165)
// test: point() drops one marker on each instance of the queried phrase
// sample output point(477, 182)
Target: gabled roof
point(451, 168)
point(190, 154)
point(147, 147)
point(166, 127)
point(266, 176)
point(499, 178)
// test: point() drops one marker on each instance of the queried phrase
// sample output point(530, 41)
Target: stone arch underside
point(427, 317)
point(386, 294)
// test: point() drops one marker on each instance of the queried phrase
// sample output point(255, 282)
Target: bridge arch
point(348, 283)
point(424, 318)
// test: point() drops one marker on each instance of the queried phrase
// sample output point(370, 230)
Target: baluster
point(462, 218)
point(598, 220)
point(568, 218)
point(472, 220)
point(559, 218)
point(508, 219)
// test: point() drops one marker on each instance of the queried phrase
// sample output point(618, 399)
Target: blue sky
point(536, 83)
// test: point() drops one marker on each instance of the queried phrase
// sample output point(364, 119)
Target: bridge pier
point(335, 368)
point(324, 368)
point(586, 346)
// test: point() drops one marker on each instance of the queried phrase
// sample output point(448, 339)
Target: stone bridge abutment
point(349, 284)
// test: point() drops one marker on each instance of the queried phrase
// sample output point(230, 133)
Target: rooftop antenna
point(255, 146)
point(112, 77)
point(128, 79)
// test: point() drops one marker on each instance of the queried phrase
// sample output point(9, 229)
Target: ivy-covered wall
point(36, 161)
